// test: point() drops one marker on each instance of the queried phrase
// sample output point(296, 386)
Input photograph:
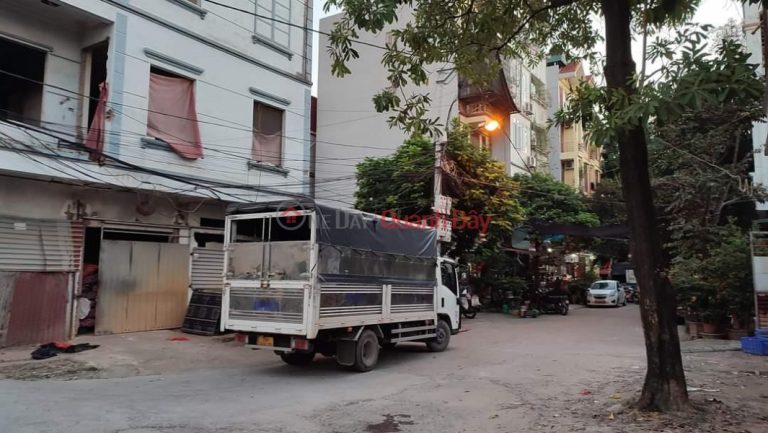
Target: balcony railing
point(495, 94)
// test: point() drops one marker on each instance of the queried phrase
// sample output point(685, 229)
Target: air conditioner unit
point(528, 108)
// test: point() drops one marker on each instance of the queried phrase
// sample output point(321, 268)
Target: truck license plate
point(265, 341)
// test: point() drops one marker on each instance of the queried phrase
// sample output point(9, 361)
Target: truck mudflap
point(345, 352)
point(346, 345)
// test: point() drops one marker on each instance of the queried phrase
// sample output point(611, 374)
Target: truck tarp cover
point(355, 229)
point(361, 247)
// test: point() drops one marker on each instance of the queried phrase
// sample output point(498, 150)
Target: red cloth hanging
point(172, 116)
point(94, 141)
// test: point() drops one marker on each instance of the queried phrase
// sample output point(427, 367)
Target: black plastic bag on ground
point(50, 350)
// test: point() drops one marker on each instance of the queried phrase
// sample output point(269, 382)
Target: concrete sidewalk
point(132, 354)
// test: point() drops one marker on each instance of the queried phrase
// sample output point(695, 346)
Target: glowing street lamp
point(491, 125)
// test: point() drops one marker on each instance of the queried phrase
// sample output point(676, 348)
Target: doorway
point(93, 73)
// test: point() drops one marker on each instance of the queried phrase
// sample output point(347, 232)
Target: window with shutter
point(267, 134)
point(172, 116)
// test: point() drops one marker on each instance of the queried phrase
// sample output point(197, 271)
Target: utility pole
point(438, 185)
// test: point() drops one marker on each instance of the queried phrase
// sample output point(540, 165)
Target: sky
point(714, 12)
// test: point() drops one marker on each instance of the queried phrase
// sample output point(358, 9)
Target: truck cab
point(448, 293)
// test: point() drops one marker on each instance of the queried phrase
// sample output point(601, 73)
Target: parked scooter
point(631, 293)
point(469, 304)
point(552, 302)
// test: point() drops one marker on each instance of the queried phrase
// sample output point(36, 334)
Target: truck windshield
point(269, 248)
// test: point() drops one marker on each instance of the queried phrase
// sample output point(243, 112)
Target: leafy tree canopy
point(549, 201)
point(402, 183)
point(473, 36)
point(695, 73)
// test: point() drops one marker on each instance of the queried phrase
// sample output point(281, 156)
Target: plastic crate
point(761, 333)
point(754, 345)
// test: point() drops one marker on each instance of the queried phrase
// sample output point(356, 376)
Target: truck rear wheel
point(298, 358)
point(442, 337)
point(366, 351)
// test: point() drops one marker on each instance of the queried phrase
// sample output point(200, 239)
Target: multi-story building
point(573, 158)
point(126, 127)
point(528, 129)
point(349, 129)
point(755, 34)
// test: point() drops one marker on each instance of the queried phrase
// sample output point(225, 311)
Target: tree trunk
point(664, 387)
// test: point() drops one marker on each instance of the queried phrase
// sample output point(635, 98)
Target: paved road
point(496, 376)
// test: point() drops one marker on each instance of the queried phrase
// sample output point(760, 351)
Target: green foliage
point(471, 35)
point(546, 200)
point(695, 74)
point(700, 165)
point(500, 272)
point(477, 184)
point(700, 152)
point(401, 182)
point(474, 36)
point(607, 202)
point(716, 278)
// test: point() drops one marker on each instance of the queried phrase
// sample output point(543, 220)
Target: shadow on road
point(323, 366)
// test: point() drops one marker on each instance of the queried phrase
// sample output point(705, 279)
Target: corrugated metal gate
point(142, 286)
point(207, 271)
point(39, 260)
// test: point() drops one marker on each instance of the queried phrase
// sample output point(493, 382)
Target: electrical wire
point(130, 134)
point(228, 126)
point(281, 185)
point(298, 26)
point(53, 153)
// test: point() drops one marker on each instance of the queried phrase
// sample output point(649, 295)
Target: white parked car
point(606, 292)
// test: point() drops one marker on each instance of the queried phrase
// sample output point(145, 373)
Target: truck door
point(448, 293)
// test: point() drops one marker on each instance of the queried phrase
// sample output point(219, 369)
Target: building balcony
point(495, 96)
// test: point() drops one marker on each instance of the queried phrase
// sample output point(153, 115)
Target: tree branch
point(553, 4)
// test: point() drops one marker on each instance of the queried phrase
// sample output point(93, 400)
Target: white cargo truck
point(303, 278)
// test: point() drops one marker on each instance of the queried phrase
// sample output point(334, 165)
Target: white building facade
point(754, 29)
point(528, 127)
point(349, 129)
point(126, 127)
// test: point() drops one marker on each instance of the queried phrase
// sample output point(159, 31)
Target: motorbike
point(469, 304)
point(631, 294)
point(553, 303)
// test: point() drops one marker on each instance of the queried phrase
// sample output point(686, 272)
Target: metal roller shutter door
point(35, 245)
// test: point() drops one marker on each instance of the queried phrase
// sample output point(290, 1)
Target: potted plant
point(712, 320)
point(693, 322)
point(718, 275)
point(688, 299)
point(734, 279)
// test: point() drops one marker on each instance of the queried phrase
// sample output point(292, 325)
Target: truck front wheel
point(366, 351)
point(442, 337)
point(298, 358)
